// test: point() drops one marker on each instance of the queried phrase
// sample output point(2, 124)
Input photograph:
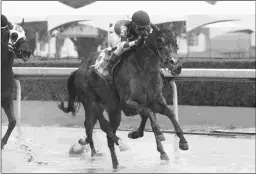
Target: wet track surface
point(45, 149)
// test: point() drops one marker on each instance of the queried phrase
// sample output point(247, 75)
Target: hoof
point(3, 144)
point(183, 146)
point(115, 167)
point(82, 141)
point(164, 157)
point(123, 146)
point(76, 149)
point(135, 135)
point(118, 168)
point(99, 154)
point(160, 137)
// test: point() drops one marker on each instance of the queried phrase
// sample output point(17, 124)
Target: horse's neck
point(146, 60)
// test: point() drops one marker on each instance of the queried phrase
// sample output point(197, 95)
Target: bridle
point(17, 51)
point(157, 52)
point(17, 37)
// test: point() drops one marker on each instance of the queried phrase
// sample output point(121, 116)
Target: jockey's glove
point(138, 41)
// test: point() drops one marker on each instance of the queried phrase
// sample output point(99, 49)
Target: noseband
point(157, 52)
point(17, 51)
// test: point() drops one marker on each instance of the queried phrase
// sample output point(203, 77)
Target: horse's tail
point(72, 97)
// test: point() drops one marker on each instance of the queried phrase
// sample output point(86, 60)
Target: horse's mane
point(172, 39)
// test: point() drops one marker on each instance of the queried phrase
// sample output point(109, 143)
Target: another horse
point(14, 36)
point(137, 89)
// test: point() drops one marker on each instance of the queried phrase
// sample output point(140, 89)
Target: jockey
point(129, 34)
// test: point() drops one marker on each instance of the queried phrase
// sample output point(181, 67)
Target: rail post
point(18, 98)
point(176, 112)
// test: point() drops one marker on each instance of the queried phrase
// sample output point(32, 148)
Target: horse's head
point(167, 44)
point(163, 42)
point(19, 42)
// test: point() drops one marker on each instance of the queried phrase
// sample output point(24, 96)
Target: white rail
point(186, 73)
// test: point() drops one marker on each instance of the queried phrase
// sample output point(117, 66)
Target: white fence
point(186, 73)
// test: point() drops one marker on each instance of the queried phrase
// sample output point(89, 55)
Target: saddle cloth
point(102, 61)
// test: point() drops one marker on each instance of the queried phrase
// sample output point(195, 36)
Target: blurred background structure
point(76, 29)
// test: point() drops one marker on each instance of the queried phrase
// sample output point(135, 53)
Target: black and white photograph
point(128, 86)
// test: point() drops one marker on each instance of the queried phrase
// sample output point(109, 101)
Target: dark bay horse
point(137, 89)
point(13, 43)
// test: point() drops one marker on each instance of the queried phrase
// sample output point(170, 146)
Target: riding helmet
point(141, 18)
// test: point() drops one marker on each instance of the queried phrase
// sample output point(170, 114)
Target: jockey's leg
point(113, 59)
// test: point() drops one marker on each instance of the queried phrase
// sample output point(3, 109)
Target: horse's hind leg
point(89, 123)
point(7, 105)
point(93, 150)
point(105, 126)
point(114, 121)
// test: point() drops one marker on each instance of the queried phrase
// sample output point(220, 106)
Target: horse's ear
point(22, 22)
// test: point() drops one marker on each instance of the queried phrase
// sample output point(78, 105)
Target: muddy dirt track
point(45, 149)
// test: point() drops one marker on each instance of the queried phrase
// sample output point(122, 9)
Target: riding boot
point(112, 60)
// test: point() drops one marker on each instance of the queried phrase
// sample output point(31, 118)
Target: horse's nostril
point(28, 53)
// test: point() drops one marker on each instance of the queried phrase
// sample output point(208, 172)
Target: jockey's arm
point(126, 45)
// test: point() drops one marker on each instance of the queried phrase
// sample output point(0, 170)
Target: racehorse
point(14, 36)
point(136, 89)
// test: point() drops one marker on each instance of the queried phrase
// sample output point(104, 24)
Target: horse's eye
point(14, 37)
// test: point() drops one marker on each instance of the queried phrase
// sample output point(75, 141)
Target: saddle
point(102, 62)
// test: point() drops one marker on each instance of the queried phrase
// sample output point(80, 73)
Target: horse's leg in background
point(7, 105)
point(114, 121)
point(140, 132)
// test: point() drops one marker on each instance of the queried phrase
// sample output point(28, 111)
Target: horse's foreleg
point(160, 149)
point(148, 113)
point(7, 105)
point(140, 131)
point(165, 110)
